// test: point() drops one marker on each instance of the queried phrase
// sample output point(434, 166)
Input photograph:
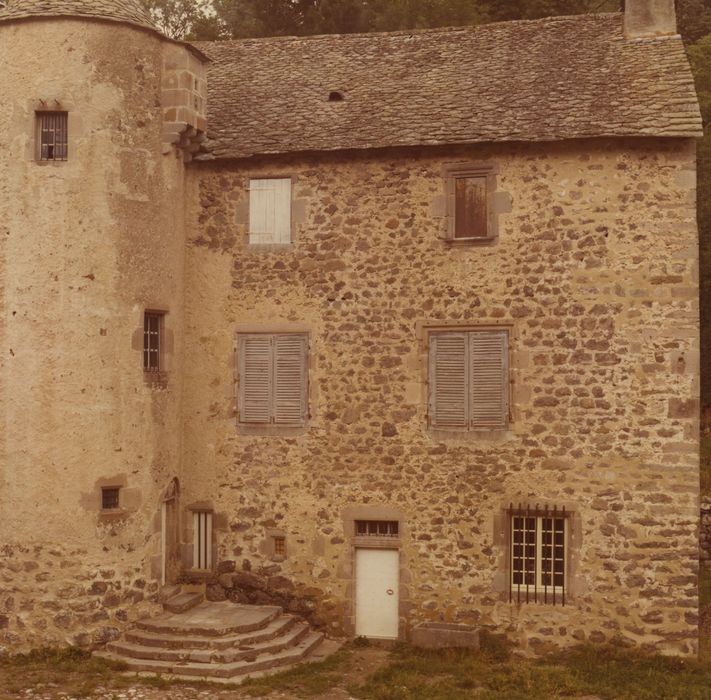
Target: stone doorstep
point(208, 619)
point(225, 671)
point(274, 646)
point(183, 602)
point(180, 641)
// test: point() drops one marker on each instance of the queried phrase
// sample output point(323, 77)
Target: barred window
point(109, 497)
point(52, 136)
point(538, 554)
point(377, 528)
point(152, 341)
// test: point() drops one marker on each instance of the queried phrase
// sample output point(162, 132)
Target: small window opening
point(52, 136)
point(202, 540)
point(152, 341)
point(110, 498)
point(335, 96)
point(279, 546)
point(377, 528)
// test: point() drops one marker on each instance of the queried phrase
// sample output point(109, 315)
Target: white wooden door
point(377, 593)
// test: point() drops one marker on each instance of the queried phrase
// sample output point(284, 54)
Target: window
point(377, 528)
point(279, 542)
point(52, 136)
point(468, 380)
point(270, 211)
point(202, 540)
point(468, 205)
point(152, 341)
point(273, 379)
point(109, 498)
point(538, 555)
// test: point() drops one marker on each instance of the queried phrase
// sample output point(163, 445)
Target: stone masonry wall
point(85, 246)
point(595, 274)
point(705, 532)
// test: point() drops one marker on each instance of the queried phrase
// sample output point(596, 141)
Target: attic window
point(335, 96)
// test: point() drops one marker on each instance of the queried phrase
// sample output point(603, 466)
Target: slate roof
point(549, 79)
point(130, 11)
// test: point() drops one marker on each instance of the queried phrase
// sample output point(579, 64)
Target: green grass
point(609, 672)
point(706, 465)
point(305, 680)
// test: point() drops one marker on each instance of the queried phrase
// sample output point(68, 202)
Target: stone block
point(443, 635)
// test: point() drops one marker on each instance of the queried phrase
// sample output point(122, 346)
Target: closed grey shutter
point(255, 378)
point(290, 379)
point(448, 377)
point(488, 361)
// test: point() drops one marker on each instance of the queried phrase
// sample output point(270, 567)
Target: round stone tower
point(100, 112)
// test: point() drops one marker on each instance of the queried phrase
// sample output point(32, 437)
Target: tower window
point(152, 341)
point(109, 497)
point(52, 136)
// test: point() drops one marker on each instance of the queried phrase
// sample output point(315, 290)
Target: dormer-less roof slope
point(556, 78)
point(130, 11)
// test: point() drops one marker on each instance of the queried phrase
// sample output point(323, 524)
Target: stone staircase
point(223, 642)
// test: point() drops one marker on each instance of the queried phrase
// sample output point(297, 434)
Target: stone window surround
point(311, 391)
point(267, 546)
point(374, 512)
point(423, 329)
point(130, 499)
point(501, 538)
point(298, 212)
point(156, 380)
point(75, 129)
point(498, 202)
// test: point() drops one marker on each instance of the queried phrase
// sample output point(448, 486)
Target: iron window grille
point(152, 341)
point(377, 528)
point(202, 540)
point(110, 498)
point(52, 136)
point(538, 554)
point(279, 546)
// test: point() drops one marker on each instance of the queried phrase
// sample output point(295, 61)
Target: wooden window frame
point(270, 244)
point(272, 424)
point(538, 592)
point(456, 171)
point(471, 427)
point(203, 525)
point(41, 116)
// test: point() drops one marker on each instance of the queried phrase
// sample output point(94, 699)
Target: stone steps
point(181, 641)
point(215, 641)
point(182, 602)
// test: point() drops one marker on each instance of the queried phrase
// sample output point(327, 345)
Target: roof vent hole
point(335, 96)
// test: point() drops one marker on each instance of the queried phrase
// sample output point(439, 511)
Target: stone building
point(394, 328)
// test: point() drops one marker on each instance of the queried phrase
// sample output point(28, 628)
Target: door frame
point(170, 559)
point(375, 512)
point(396, 550)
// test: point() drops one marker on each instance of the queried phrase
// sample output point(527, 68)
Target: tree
point(186, 19)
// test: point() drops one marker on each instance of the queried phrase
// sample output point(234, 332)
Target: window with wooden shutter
point(270, 211)
point(469, 190)
point(273, 379)
point(468, 379)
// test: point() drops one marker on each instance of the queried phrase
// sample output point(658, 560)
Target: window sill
point(475, 435)
point(112, 515)
point(464, 242)
point(272, 430)
point(155, 380)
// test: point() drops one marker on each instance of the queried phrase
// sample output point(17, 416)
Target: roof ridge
point(420, 31)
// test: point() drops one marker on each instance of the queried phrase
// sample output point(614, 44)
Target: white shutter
point(290, 379)
point(270, 211)
point(255, 378)
point(488, 353)
point(448, 377)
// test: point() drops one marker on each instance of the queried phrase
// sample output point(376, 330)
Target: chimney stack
point(649, 18)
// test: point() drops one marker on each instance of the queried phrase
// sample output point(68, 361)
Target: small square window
point(153, 341)
point(109, 498)
point(468, 203)
point(279, 546)
point(270, 211)
point(52, 136)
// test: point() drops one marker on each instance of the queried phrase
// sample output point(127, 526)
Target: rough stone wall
point(595, 272)
point(85, 247)
point(705, 532)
